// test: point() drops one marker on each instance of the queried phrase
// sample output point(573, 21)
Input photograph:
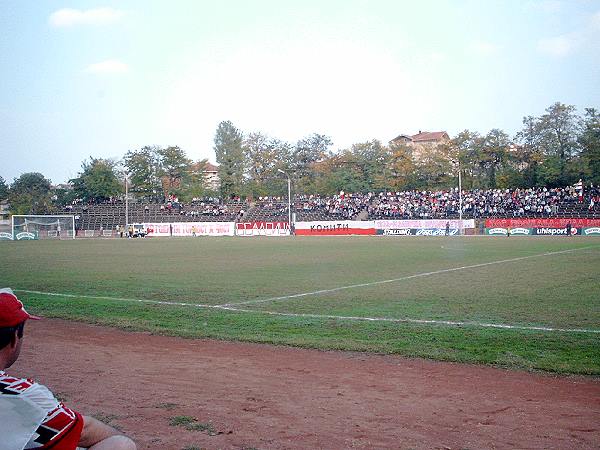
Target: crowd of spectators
point(416, 204)
point(276, 206)
point(204, 206)
point(347, 206)
point(413, 204)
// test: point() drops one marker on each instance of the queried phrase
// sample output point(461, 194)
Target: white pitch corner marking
point(408, 277)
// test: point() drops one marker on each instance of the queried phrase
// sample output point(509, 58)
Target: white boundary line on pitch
point(419, 321)
point(121, 299)
point(232, 306)
point(325, 316)
point(408, 277)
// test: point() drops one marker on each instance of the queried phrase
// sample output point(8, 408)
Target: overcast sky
point(99, 78)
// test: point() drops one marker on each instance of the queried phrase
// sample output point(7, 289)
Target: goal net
point(43, 227)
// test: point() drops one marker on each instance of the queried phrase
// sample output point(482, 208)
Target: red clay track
point(266, 397)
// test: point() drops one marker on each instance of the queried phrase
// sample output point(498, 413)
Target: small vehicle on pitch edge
point(139, 231)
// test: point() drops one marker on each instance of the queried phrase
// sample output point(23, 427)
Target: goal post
point(34, 226)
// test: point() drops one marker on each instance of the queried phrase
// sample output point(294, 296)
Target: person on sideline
point(30, 415)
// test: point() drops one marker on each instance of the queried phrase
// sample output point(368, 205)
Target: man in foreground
point(30, 416)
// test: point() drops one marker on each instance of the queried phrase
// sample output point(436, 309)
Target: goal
point(43, 227)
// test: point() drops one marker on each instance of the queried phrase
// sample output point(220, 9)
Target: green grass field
point(397, 281)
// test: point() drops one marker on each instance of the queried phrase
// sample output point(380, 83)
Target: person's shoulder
point(28, 389)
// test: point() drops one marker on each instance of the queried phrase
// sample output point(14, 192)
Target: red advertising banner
point(262, 229)
point(540, 223)
point(330, 228)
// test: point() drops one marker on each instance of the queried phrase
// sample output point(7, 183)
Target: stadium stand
point(499, 203)
point(267, 209)
point(570, 202)
point(108, 216)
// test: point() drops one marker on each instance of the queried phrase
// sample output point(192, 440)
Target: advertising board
point(335, 228)
point(428, 223)
point(262, 229)
point(189, 229)
point(541, 231)
point(26, 236)
point(552, 231)
point(418, 232)
point(158, 229)
point(501, 231)
point(542, 223)
point(203, 228)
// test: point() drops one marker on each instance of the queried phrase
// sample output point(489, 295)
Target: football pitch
point(522, 302)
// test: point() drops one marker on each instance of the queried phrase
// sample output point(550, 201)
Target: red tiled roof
point(429, 136)
point(402, 136)
point(211, 167)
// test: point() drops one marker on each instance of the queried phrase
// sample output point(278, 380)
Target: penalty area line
point(419, 321)
point(408, 277)
point(452, 323)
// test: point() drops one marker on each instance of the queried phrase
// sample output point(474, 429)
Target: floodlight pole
point(289, 199)
point(459, 199)
point(126, 203)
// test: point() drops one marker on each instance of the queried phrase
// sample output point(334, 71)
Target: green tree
point(530, 154)
point(343, 171)
point(230, 157)
point(144, 168)
point(264, 156)
point(62, 196)
point(590, 144)
point(30, 194)
point(494, 154)
point(402, 168)
point(175, 169)
point(372, 159)
point(308, 152)
point(559, 131)
point(97, 181)
point(196, 182)
point(434, 167)
point(3, 189)
point(467, 152)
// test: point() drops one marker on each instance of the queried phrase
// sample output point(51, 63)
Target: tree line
point(555, 149)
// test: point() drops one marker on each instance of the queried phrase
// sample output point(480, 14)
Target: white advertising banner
point(203, 228)
point(158, 229)
point(190, 229)
point(430, 223)
point(261, 228)
point(333, 228)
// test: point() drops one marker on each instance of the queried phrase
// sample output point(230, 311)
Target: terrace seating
point(111, 215)
point(267, 211)
point(478, 204)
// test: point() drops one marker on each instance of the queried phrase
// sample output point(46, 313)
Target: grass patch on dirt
point(168, 406)
point(108, 419)
point(192, 424)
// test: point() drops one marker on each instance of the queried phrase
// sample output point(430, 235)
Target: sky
point(84, 79)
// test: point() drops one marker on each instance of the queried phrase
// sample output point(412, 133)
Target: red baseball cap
point(12, 311)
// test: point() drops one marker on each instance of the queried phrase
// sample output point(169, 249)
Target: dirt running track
point(266, 397)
